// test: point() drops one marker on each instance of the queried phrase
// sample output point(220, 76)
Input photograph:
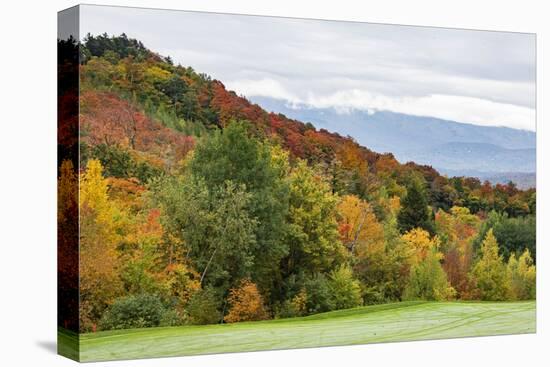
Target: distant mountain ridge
point(521, 179)
point(448, 146)
point(484, 157)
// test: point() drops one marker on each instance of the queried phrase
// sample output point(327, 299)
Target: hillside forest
point(199, 207)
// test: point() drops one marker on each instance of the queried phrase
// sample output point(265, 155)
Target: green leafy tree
point(319, 295)
point(136, 311)
point(312, 236)
point(489, 271)
point(293, 307)
point(345, 289)
point(514, 235)
point(120, 162)
point(384, 274)
point(428, 280)
point(234, 155)
point(203, 307)
point(215, 226)
point(521, 277)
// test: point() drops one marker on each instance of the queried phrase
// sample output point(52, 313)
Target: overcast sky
point(480, 77)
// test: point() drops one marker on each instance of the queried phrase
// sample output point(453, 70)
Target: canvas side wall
point(67, 173)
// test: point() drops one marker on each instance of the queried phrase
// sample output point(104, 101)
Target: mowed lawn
point(369, 324)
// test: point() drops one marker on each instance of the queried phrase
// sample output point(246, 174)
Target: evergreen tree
point(414, 211)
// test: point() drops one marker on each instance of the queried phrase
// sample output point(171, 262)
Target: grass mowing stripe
point(380, 323)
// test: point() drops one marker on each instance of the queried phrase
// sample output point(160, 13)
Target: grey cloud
point(325, 57)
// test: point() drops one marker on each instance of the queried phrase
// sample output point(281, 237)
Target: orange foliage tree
point(246, 303)
point(359, 229)
point(109, 120)
point(457, 231)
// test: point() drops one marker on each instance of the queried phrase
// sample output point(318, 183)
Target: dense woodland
point(199, 207)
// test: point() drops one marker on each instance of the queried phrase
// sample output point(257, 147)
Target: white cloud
point(450, 107)
point(457, 108)
point(264, 88)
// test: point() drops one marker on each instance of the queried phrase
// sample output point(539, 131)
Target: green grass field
point(370, 324)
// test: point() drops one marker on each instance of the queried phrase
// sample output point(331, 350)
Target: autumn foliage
point(198, 207)
point(246, 303)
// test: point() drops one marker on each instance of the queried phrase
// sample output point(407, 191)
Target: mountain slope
point(158, 94)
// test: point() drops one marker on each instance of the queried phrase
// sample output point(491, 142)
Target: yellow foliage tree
point(521, 277)
point(427, 278)
point(489, 271)
point(419, 244)
point(299, 302)
point(99, 236)
point(181, 282)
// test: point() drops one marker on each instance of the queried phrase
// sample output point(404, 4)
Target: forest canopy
point(199, 207)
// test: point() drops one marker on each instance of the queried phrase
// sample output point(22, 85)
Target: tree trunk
point(208, 264)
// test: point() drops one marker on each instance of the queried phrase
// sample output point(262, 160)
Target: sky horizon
point(484, 78)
